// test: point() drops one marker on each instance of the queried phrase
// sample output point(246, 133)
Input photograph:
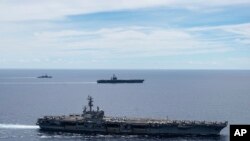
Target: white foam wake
point(17, 77)
point(43, 83)
point(18, 126)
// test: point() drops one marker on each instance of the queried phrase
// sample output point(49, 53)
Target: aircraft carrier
point(94, 122)
point(44, 76)
point(115, 80)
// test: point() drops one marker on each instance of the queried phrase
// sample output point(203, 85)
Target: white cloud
point(223, 63)
point(208, 63)
point(52, 42)
point(124, 47)
point(109, 43)
point(239, 32)
point(133, 42)
point(16, 10)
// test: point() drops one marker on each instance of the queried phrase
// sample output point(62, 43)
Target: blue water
point(177, 94)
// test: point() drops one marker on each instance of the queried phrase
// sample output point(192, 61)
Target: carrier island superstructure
point(95, 122)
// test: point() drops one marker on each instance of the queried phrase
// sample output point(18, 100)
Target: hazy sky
point(125, 34)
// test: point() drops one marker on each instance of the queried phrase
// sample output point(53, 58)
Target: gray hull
point(121, 81)
point(166, 131)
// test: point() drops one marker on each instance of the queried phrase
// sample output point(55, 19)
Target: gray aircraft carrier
point(94, 122)
point(115, 80)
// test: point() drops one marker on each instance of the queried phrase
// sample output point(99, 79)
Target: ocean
point(213, 95)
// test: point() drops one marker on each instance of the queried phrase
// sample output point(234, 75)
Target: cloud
point(42, 33)
point(131, 42)
point(223, 63)
point(238, 32)
point(121, 47)
point(26, 10)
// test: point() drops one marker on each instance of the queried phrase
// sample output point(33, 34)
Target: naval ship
point(44, 76)
point(115, 80)
point(95, 122)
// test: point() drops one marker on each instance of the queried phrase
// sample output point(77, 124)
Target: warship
point(44, 76)
point(115, 80)
point(95, 122)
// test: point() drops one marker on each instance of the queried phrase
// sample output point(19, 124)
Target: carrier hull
point(121, 81)
point(156, 132)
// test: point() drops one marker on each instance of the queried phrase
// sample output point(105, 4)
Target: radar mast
point(90, 103)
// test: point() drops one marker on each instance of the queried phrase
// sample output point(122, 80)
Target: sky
point(125, 34)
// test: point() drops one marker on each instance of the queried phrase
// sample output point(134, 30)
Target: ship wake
point(18, 126)
point(45, 83)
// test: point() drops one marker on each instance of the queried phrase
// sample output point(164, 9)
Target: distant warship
point(94, 122)
point(115, 80)
point(44, 76)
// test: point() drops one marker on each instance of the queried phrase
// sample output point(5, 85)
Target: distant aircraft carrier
point(94, 122)
point(115, 80)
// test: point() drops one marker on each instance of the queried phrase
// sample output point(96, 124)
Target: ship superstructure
point(94, 121)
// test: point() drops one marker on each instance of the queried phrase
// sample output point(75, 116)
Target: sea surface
point(213, 95)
